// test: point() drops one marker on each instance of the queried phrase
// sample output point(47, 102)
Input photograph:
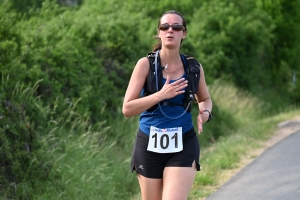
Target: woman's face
point(171, 37)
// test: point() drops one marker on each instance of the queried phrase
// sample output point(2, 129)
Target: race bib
point(168, 140)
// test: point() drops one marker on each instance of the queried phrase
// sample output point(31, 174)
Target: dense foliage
point(84, 51)
point(89, 51)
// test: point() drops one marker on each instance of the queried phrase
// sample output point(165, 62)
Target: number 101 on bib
point(168, 140)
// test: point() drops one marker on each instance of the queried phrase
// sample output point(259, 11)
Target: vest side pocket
point(194, 76)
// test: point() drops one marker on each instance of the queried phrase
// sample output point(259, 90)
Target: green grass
point(88, 164)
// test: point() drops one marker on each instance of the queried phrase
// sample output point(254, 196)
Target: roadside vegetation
point(65, 65)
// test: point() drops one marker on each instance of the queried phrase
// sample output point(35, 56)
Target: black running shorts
point(151, 165)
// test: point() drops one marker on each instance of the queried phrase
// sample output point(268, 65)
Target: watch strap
point(210, 115)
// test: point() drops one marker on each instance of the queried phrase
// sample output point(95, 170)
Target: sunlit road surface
point(274, 175)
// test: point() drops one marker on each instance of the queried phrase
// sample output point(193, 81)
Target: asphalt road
point(274, 175)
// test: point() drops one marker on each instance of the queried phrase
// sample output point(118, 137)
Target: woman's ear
point(184, 34)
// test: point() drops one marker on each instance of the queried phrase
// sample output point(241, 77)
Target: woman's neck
point(169, 57)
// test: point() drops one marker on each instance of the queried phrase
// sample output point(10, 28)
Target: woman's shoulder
point(143, 61)
point(142, 65)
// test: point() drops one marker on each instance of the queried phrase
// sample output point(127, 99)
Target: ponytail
point(158, 45)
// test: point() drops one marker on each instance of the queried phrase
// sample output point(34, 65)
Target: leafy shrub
point(21, 161)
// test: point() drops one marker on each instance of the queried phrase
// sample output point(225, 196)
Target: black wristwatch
point(210, 115)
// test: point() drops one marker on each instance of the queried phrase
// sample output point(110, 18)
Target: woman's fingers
point(170, 90)
point(180, 84)
point(199, 121)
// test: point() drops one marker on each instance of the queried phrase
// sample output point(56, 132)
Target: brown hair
point(157, 46)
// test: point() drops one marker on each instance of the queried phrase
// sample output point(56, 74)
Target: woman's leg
point(151, 188)
point(178, 182)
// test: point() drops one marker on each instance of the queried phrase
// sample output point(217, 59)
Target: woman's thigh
point(178, 182)
point(151, 188)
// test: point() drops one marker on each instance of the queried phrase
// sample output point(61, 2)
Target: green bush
point(21, 161)
point(90, 51)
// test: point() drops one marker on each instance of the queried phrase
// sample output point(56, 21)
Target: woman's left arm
point(204, 102)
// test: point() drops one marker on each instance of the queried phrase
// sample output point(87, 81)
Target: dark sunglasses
point(175, 27)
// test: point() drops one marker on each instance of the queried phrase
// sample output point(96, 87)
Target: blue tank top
point(157, 119)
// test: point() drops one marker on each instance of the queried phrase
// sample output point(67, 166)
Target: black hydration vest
point(192, 69)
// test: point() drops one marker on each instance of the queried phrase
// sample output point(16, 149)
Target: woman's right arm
point(133, 104)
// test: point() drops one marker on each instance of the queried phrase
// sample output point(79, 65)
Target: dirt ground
point(285, 129)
